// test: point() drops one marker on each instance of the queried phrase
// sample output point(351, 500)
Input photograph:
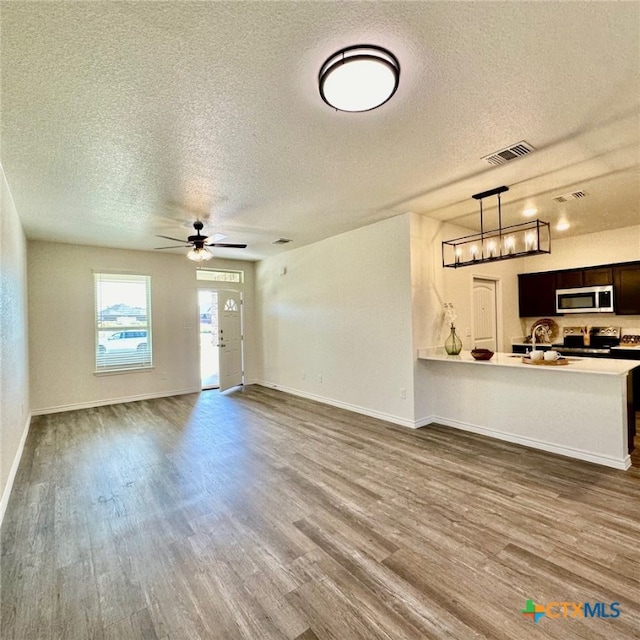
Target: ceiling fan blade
point(170, 238)
point(175, 246)
point(224, 244)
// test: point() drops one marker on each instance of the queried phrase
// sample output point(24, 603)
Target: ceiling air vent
point(516, 150)
point(281, 241)
point(575, 195)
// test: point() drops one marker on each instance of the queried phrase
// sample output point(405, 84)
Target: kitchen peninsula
point(580, 410)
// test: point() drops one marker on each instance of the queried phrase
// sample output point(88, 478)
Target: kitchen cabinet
point(537, 294)
point(569, 279)
point(536, 291)
point(597, 276)
point(589, 277)
point(627, 289)
point(631, 354)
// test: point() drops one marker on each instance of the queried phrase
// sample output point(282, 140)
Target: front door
point(485, 329)
point(209, 361)
point(230, 338)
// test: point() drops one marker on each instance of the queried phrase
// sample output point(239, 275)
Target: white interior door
point(485, 307)
point(230, 338)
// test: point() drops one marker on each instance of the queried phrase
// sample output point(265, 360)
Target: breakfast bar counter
point(581, 409)
point(598, 366)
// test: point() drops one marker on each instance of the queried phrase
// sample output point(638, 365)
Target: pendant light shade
point(359, 78)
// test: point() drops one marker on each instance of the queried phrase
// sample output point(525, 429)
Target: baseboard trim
point(14, 470)
point(570, 452)
point(423, 422)
point(371, 413)
point(102, 403)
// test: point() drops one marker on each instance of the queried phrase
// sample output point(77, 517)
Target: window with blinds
point(123, 322)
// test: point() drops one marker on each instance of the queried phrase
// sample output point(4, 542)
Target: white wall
point(356, 308)
point(342, 311)
point(62, 330)
point(14, 360)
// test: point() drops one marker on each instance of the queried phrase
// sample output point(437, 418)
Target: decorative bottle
point(453, 344)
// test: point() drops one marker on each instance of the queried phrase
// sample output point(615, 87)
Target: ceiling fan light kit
point(198, 254)
point(359, 78)
point(515, 241)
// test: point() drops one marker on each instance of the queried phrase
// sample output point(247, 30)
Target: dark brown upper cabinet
point(626, 297)
point(589, 277)
point(597, 276)
point(537, 291)
point(569, 279)
point(537, 294)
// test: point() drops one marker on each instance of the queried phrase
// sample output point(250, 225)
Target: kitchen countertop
point(597, 366)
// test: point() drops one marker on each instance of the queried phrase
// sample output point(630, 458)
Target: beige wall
point(62, 333)
point(342, 311)
point(14, 369)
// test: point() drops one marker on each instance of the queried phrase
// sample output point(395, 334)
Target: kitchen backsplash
point(629, 324)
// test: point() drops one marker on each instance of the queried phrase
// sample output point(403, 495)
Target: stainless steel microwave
point(585, 300)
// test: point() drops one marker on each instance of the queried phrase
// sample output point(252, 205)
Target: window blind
point(122, 322)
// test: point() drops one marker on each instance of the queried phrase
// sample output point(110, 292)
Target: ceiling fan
point(198, 244)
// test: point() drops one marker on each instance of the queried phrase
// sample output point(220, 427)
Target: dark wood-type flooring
point(262, 516)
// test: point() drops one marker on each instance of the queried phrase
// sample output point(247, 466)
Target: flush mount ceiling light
point(359, 78)
point(515, 241)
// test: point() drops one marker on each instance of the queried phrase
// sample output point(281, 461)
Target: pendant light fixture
point(515, 241)
point(359, 78)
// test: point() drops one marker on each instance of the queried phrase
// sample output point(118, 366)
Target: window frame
point(125, 363)
point(204, 274)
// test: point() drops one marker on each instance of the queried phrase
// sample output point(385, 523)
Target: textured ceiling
point(125, 120)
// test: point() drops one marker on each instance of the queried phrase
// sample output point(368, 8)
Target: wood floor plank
point(260, 515)
point(274, 603)
point(136, 627)
point(77, 613)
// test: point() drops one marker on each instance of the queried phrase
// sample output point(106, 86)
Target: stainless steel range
point(589, 341)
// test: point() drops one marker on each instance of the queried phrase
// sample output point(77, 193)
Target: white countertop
point(600, 366)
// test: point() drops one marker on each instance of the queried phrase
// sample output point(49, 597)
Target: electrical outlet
point(304, 375)
point(403, 394)
point(468, 331)
point(319, 377)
